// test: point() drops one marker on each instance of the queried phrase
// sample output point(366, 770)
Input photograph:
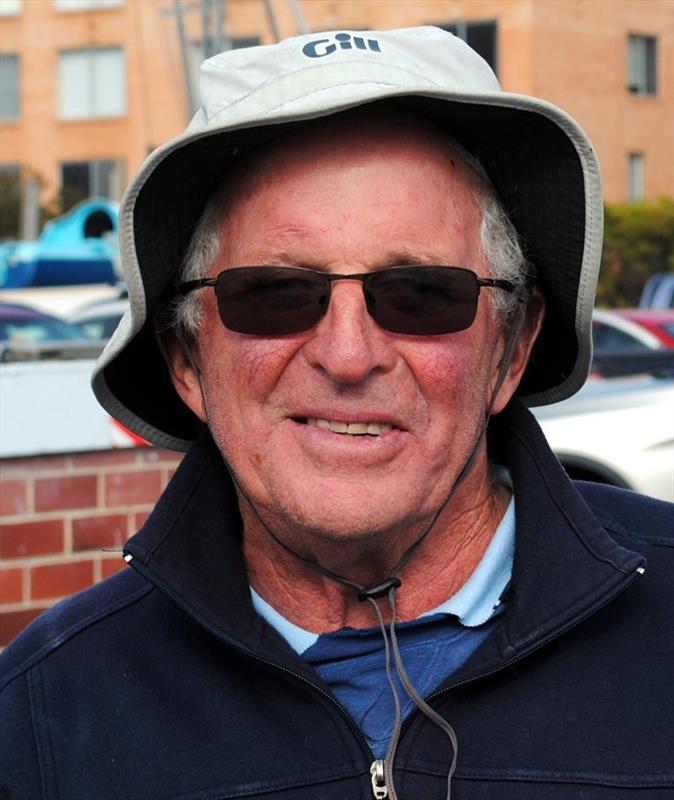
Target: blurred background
point(89, 87)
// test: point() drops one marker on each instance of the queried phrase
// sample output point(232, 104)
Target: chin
point(348, 522)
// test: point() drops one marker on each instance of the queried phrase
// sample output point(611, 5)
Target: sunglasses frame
point(328, 278)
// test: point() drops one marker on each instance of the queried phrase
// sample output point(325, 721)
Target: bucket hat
point(538, 158)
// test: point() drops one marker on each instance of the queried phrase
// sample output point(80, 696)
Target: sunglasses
point(273, 301)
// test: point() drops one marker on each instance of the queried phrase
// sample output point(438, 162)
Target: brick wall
point(63, 519)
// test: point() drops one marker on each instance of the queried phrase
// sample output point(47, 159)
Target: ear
point(180, 357)
point(533, 320)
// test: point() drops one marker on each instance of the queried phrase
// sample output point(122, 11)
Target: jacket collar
point(566, 564)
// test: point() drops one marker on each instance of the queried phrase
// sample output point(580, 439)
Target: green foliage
point(638, 242)
point(10, 206)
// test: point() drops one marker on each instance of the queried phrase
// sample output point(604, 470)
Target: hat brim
point(539, 160)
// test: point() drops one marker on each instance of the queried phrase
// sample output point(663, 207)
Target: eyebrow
point(394, 258)
point(407, 258)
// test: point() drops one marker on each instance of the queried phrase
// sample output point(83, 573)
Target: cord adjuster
point(379, 590)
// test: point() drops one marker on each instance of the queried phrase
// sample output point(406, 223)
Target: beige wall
point(580, 63)
point(571, 52)
point(156, 107)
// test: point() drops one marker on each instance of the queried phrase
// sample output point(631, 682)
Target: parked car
point(26, 325)
point(99, 319)
point(658, 321)
point(618, 431)
point(626, 342)
point(27, 334)
point(617, 329)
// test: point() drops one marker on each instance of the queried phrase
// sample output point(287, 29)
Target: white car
point(618, 431)
point(612, 329)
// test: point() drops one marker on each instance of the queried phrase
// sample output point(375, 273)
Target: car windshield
point(33, 331)
point(100, 327)
point(609, 336)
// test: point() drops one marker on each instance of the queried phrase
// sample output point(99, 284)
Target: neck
point(461, 533)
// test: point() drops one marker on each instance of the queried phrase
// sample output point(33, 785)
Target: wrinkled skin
point(360, 196)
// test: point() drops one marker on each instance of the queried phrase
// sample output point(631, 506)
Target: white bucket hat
point(538, 158)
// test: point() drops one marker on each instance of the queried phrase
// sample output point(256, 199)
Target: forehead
point(359, 179)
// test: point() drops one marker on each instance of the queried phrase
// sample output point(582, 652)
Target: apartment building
point(89, 87)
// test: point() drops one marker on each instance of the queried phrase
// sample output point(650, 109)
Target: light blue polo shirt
point(433, 646)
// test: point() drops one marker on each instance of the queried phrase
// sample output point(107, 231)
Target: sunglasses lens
point(275, 301)
point(270, 301)
point(423, 300)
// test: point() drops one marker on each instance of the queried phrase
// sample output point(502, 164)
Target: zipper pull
point(378, 780)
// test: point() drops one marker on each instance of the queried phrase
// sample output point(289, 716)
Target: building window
point(641, 64)
point(481, 36)
point(86, 5)
point(92, 83)
point(10, 8)
point(635, 176)
point(83, 179)
point(9, 87)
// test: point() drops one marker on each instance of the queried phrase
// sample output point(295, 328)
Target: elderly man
point(370, 577)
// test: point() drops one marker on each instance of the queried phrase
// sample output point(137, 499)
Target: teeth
point(351, 428)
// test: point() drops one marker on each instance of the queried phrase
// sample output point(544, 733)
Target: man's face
point(359, 198)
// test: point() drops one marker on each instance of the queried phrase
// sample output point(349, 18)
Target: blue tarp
point(78, 248)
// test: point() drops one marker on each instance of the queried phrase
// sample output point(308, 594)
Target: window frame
point(16, 93)
point(89, 78)
point(95, 178)
point(636, 177)
point(10, 8)
point(642, 65)
point(85, 6)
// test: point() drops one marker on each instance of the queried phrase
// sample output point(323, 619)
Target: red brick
point(71, 491)
point(168, 474)
point(13, 622)
point(58, 580)
point(111, 565)
point(91, 533)
point(13, 497)
point(139, 519)
point(154, 454)
point(132, 488)
point(105, 458)
point(23, 539)
point(11, 585)
point(33, 464)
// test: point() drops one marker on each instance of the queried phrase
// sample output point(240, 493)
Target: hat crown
point(303, 74)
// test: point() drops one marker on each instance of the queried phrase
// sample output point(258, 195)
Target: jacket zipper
point(379, 788)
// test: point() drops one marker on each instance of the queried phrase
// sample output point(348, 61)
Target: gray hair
point(499, 242)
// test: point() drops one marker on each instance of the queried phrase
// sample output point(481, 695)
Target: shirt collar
point(479, 597)
point(475, 602)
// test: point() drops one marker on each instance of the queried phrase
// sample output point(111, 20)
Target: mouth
point(347, 428)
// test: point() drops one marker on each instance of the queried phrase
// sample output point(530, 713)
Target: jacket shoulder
point(66, 619)
point(630, 514)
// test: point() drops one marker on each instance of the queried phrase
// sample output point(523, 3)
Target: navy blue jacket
point(162, 682)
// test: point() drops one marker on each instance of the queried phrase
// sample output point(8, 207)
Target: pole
point(184, 50)
point(271, 19)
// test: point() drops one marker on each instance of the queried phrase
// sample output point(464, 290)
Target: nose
point(347, 344)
